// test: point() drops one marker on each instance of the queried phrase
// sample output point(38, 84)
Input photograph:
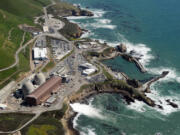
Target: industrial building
point(40, 53)
point(41, 94)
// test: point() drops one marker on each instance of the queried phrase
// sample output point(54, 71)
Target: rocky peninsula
point(129, 89)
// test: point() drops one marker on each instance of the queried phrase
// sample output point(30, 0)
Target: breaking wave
point(105, 26)
point(87, 110)
point(141, 51)
point(97, 14)
point(103, 21)
point(87, 131)
point(172, 76)
point(161, 100)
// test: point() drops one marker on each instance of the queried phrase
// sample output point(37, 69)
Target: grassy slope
point(24, 8)
point(13, 13)
point(47, 124)
point(12, 121)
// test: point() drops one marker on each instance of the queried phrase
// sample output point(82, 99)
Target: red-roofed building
point(41, 94)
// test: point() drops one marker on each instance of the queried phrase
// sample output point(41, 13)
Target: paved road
point(9, 33)
point(17, 53)
point(4, 93)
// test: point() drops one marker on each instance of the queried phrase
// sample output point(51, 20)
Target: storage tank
point(27, 88)
point(40, 79)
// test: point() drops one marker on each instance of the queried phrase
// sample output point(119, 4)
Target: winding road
point(18, 51)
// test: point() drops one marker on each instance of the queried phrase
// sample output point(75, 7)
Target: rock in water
point(172, 104)
point(122, 48)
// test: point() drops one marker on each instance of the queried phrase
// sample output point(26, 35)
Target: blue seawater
point(152, 29)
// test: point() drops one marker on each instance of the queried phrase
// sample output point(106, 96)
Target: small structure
point(40, 53)
point(27, 88)
point(41, 94)
point(88, 68)
point(3, 106)
point(87, 65)
point(50, 101)
point(45, 28)
point(89, 71)
point(35, 33)
point(39, 78)
point(122, 48)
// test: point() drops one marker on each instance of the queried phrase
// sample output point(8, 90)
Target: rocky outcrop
point(81, 13)
point(122, 48)
point(65, 9)
point(71, 30)
point(114, 86)
point(172, 104)
point(78, 33)
point(135, 83)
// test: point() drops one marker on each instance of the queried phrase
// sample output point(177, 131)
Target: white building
point(88, 68)
point(86, 65)
point(89, 71)
point(45, 28)
point(40, 53)
point(3, 106)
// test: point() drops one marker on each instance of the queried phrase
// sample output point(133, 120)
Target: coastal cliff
point(71, 30)
point(65, 9)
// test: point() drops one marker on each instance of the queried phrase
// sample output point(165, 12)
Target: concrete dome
point(27, 88)
point(40, 79)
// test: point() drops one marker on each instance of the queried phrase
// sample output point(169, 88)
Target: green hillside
point(12, 14)
point(24, 8)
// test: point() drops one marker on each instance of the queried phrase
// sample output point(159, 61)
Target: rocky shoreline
point(129, 94)
point(130, 90)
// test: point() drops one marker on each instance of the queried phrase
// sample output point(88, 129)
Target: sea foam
point(88, 131)
point(103, 21)
point(87, 110)
point(161, 100)
point(172, 76)
point(97, 14)
point(139, 106)
point(104, 26)
point(141, 51)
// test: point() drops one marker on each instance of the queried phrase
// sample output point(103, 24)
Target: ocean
point(152, 29)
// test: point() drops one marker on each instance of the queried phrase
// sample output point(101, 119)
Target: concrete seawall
point(133, 59)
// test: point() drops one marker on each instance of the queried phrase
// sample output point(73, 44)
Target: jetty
point(139, 65)
point(146, 86)
point(130, 58)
